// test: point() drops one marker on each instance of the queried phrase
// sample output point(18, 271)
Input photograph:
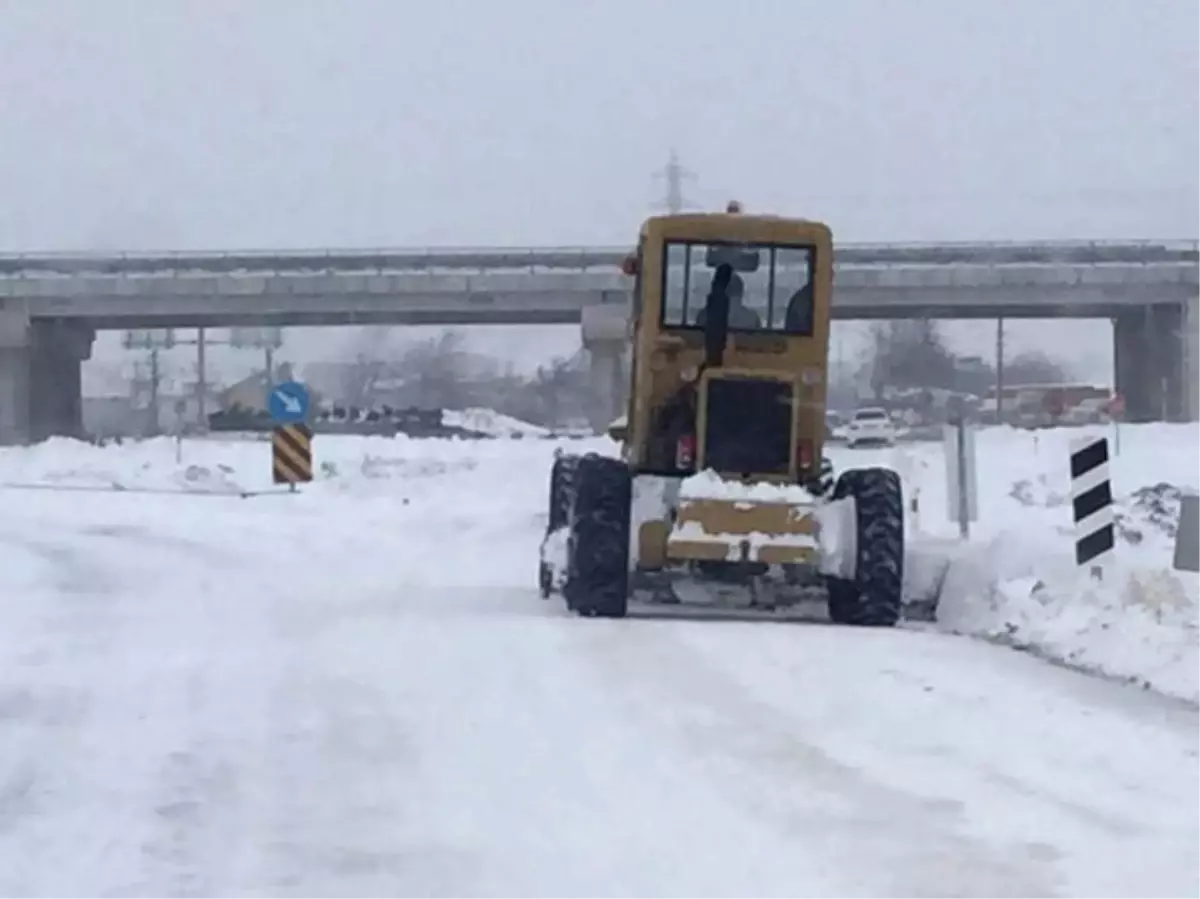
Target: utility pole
point(674, 175)
point(155, 375)
point(1000, 371)
point(165, 339)
point(201, 378)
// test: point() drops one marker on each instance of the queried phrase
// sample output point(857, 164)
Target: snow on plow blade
point(774, 525)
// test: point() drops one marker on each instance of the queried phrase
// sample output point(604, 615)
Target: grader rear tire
point(562, 494)
point(873, 597)
point(562, 490)
point(597, 583)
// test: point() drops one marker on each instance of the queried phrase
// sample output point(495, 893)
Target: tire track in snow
point(55, 632)
point(199, 714)
point(335, 812)
point(193, 781)
point(494, 766)
point(770, 767)
point(118, 726)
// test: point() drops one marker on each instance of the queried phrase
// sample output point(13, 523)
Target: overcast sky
point(174, 124)
point(235, 123)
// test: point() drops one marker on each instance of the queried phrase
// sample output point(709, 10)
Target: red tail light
point(804, 454)
point(685, 451)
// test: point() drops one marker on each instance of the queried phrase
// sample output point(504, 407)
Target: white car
point(1093, 410)
point(870, 425)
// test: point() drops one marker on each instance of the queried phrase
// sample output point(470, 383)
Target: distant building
point(329, 379)
point(251, 392)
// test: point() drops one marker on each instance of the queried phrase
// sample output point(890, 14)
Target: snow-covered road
point(356, 691)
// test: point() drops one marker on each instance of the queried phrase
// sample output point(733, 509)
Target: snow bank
point(467, 513)
point(491, 422)
point(1137, 622)
point(710, 485)
point(1016, 580)
point(160, 464)
point(354, 464)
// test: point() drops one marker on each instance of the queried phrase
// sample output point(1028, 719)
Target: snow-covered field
point(354, 689)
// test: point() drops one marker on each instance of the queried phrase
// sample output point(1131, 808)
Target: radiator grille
point(748, 426)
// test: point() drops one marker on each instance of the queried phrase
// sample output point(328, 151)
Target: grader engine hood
point(729, 521)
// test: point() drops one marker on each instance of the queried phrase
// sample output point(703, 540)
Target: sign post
point(1116, 409)
point(149, 339)
point(256, 338)
point(962, 485)
point(291, 438)
point(1092, 504)
point(1187, 536)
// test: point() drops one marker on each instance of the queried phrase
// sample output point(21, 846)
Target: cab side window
point(793, 309)
point(676, 285)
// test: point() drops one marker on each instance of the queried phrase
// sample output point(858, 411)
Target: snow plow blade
point(730, 530)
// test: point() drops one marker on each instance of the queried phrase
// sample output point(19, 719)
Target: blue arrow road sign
point(288, 402)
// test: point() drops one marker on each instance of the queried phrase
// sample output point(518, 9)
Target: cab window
point(771, 289)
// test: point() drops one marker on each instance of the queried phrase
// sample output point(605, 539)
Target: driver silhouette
point(741, 316)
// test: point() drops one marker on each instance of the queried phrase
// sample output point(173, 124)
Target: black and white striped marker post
point(1092, 503)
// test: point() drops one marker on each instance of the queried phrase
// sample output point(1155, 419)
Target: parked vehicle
point(871, 425)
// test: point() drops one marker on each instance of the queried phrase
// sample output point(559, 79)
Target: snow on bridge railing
point(322, 260)
point(1170, 243)
point(332, 261)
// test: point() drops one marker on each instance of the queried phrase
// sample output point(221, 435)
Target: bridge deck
point(575, 258)
point(555, 285)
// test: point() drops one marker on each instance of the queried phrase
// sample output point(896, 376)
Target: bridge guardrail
point(130, 263)
point(502, 249)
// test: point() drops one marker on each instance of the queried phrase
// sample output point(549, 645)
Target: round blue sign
point(288, 402)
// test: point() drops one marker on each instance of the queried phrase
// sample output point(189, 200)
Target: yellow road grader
point(721, 478)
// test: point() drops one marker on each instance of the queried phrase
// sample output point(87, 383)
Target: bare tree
point(437, 372)
point(907, 354)
point(1034, 368)
point(561, 388)
point(359, 379)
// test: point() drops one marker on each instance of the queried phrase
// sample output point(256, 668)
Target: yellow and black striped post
point(291, 454)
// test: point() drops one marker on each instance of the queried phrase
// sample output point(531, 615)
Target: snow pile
point(1150, 515)
point(452, 512)
point(1136, 622)
point(708, 484)
point(160, 464)
point(1016, 580)
point(554, 554)
point(754, 541)
point(351, 465)
point(492, 423)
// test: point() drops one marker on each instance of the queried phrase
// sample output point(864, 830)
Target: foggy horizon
point(270, 125)
point(135, 125)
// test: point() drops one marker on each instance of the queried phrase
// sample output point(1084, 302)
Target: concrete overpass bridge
point(52, 304)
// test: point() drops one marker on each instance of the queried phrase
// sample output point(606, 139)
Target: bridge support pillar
point(1191, 359)
point(40, 380)
point(605, 336)
point(14, 376)
point(1151, 361)
point(60, 348)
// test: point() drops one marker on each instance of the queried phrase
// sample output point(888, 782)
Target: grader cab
point(721, 477)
